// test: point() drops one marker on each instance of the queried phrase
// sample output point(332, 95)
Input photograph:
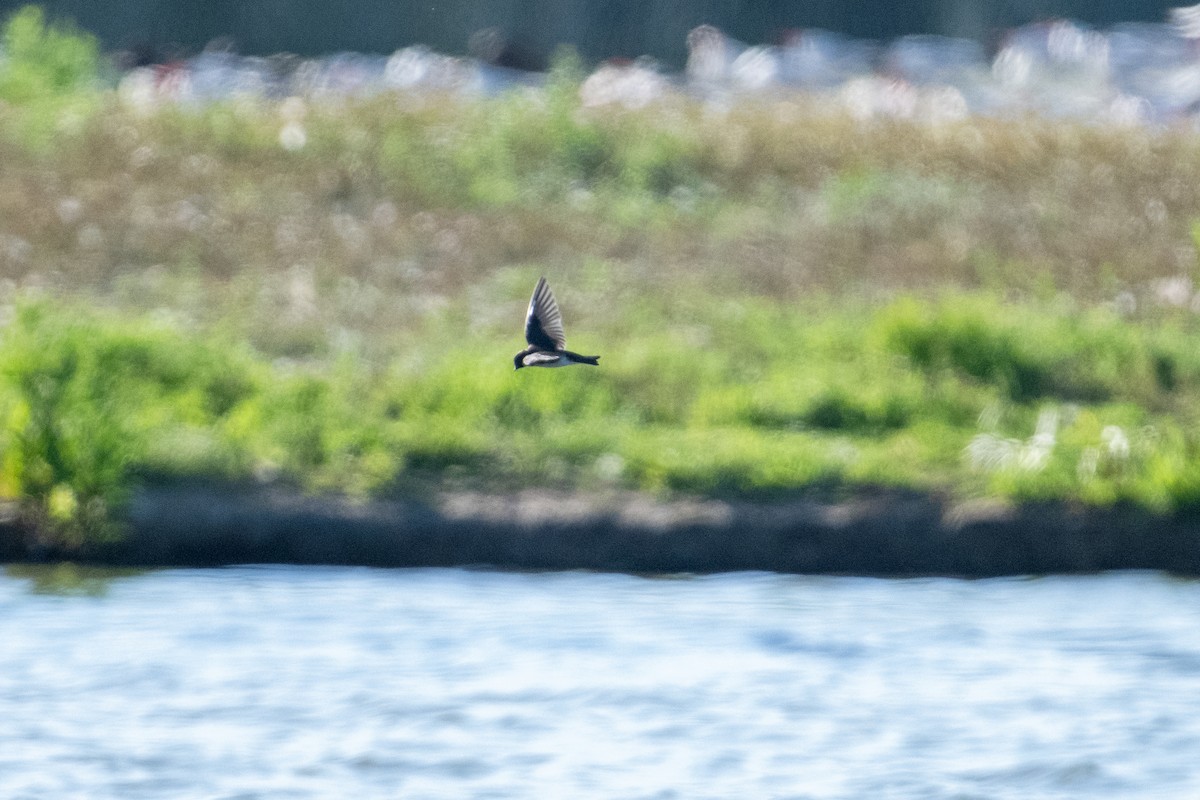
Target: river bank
point(886, 533)
point(789, 301)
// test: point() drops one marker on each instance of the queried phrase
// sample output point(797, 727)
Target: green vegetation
point(786, 299)
point(49, 77)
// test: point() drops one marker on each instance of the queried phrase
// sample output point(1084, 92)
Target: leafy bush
point(86, 400)
point(1032, 353)
point(49, 74)
point(40, 60)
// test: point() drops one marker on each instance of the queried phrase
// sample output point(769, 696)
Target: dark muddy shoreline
point(885, 533)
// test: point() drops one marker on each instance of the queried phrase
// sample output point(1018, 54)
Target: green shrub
point(85, 401)
point(1033, 352)
point(49, 77)
point(40, 60)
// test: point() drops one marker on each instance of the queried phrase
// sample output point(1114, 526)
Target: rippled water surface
point(326, 683)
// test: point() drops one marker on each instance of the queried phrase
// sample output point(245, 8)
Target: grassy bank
point(785, 298)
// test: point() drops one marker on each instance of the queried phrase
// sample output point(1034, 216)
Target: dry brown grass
point(203, 211)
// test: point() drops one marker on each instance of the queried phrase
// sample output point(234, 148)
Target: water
point(328, 683)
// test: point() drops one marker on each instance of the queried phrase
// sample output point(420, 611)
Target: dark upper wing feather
point(543, 322)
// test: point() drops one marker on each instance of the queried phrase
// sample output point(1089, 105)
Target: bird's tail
point(578, 359)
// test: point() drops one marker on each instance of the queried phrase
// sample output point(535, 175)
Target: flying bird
point(544, 333)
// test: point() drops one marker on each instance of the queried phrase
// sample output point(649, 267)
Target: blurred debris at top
point(524, 34)
point(1125, 72)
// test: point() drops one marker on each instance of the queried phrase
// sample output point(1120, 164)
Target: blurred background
point(598, 29)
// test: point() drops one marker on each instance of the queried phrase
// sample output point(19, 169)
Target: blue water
point(337, 683)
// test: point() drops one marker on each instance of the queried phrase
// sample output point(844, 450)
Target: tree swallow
point(544, 332)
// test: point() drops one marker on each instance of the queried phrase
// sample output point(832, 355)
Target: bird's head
point(518, 360)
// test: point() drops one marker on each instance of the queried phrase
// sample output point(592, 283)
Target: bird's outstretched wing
point(543, 322)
